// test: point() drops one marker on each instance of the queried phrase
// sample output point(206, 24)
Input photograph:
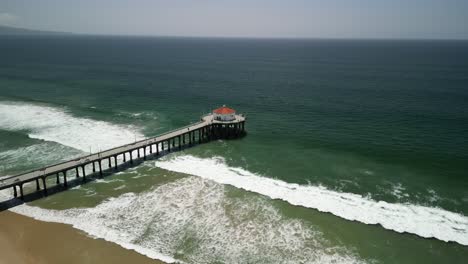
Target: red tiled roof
point(224, 111)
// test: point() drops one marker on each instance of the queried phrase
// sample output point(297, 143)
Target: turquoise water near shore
point(370, 131)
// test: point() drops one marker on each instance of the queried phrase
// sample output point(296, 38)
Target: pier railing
point(146, 140)
point(206, 129)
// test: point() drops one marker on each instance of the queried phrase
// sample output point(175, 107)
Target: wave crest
point(423, 221)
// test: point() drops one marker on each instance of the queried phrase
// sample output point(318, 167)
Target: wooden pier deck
point(203, 131)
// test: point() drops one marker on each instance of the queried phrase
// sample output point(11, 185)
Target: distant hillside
point(4, 30)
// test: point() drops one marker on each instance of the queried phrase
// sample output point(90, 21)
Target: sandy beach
point(24, 240)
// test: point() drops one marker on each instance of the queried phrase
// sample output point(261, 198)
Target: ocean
point(356, 150)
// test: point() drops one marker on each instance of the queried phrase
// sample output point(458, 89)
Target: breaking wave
point(194, 220)
point(423, 221)
point(57, 125)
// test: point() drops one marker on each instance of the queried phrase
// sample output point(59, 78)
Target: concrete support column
point(131, 156)
point(168, 145)
point(77, 172)
point(58, 179)
point(110, 165)
point(65, 183)
point(45, 186)
point(94, 167)
point(100, 168)
point(157, 148)
point(21, 191)
point(180, 141)
point(84, 173)
point(151, 149)
point(124, 157)
point(15, 193)
point(144, 152)
point(115, 162)
point(37, 185)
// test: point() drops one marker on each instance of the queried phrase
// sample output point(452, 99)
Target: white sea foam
point(74, 135)
point(423, 221)
point(120, 187)
point(57, 125)
point(195, 219)
point(107, 180)
point(35, 155)
point(398, 191)
point(196, 204)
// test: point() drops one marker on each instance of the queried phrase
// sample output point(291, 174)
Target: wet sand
point(24, 240)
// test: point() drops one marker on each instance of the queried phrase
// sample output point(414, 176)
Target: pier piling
point(44, 185)
point(100, 168)
point(65, 183)
point(84, 173)
point(211, 127)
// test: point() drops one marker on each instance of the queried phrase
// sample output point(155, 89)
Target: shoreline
point(26, 240)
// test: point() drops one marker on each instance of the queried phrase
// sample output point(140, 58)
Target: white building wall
point(229, 117)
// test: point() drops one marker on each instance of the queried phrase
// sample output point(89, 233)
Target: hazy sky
point(250, 18)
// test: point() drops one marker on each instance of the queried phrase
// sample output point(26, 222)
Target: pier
point(223, 123)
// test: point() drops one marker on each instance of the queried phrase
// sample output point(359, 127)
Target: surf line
point(221, 123)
